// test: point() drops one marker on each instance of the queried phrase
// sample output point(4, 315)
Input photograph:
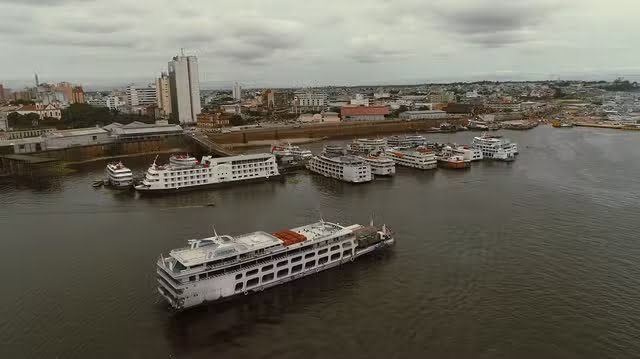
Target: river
point(539, 258)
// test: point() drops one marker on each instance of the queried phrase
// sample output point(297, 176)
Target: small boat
point(453, 162)
point(97, 183)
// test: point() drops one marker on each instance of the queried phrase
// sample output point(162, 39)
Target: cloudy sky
point(308, 43)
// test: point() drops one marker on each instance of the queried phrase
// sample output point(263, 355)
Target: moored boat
point(118, 176)
point(453, 162)
point(380, 165)
point(209, 172)
point(347, 168)
point(492, 146)
point(420, 158)
point(367, 145)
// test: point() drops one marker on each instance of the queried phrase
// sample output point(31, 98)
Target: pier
point(25, 165)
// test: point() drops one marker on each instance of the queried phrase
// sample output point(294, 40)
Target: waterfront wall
point(342, 129)
point(120, 149)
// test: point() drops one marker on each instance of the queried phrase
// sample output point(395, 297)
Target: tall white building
point(184, 88)
point(310, 101)
point(141, 96)
point(237, 91)
point(163, 94)
point(111, 102)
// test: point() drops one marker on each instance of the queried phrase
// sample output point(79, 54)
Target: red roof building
point(364, 113)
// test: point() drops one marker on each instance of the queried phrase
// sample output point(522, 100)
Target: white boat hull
point(222, 288)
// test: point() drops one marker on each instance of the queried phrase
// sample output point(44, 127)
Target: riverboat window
point(252, 282)
point(266, 268)
point(238, 276)
point(310, 264)
point(323, 260)
point(322, 251)
point(335, 248)
point(192, 278)
point(282, 263)
point(283, 272)
point(335, 256)
point(297, 268)
point(252, 272)
point(309, 255)
point(239, 286)
point(296, 259)
point(346, 253)
point(346, 245)
point(267, 277)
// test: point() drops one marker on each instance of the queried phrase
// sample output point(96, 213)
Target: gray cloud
point(373, 49)
point(37, 2)
point(494, 23)
point(305, 42)
point(87, 42)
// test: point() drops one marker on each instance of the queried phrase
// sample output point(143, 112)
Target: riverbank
point(330, 130)
point(263, 143)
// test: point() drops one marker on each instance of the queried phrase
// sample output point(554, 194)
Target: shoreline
point(265, 143)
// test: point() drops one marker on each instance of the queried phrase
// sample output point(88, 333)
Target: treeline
point(621, 84)
point(75, 116)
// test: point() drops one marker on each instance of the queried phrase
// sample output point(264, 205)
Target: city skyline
point(259, 44)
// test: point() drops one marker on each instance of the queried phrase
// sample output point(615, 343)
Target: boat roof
point(346, 159)
point(223, 246)
point(318, 230)
point(219, 247)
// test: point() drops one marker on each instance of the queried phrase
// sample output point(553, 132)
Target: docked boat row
point(222, 267)
point(360, 162)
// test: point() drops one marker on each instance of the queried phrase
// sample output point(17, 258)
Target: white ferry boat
point(399, 141)
point(334, 150)
point(346, 168)
point(288, 149)
point(380, 165)
point(420, 158)
point(223, 267)
point(417, 140)
point(367, 145)
point(183, 160)
point(209, 172)
point(118, 175)
point(467, 153)
point(492, 145)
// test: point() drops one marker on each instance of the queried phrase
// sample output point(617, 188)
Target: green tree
point(21, 102)
point(20, 121)
point(237, 120)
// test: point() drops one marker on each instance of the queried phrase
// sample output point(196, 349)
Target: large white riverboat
point(467, 153)
point(381, 165)
point(495, 147)
point(421, 158)
point(346, 168)
point(223, 267)
point(209, 172)
point(400, 141)
point(287, 149)
point(367, 145)
point(118, 176)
